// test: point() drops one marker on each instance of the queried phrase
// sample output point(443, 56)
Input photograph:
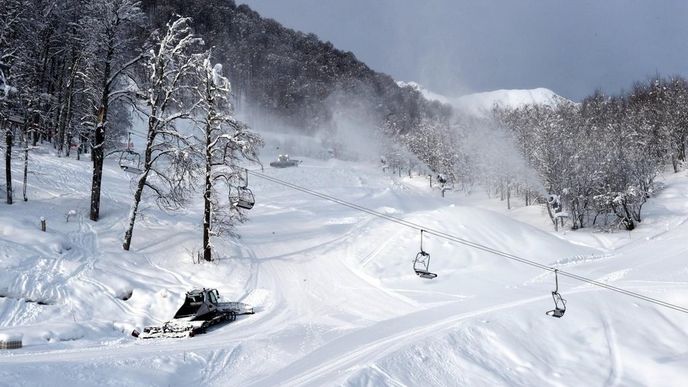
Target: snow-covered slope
point(337, 302)
point(481, 104)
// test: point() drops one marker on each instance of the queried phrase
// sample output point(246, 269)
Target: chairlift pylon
point(559, 302)
point(421, 265)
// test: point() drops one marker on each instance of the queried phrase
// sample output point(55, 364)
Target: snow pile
point(336, 299)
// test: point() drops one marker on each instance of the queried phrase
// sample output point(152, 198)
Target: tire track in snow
point(616, 369)
point(180, 280)
point(364, 346)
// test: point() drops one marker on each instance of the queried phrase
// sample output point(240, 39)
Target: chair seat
point(425, 274)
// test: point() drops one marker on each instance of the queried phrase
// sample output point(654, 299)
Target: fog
point(455, 47)
point(351, 134)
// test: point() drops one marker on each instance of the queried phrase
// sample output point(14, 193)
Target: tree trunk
point(134, 210)
point(207, 251)
point(34, 134)
point(26, 164)
point(55, 137)
point(142, 182)
point(98, 151)
point(8, 162)
point(61, 124)
point(66, 117)
point(62, 138)
point(69, 134)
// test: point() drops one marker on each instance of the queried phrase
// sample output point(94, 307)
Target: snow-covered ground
point(337, 301)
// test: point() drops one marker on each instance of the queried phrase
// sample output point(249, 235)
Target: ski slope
point(336, 299)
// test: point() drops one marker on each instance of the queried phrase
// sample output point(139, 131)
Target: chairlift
point(559, 302)
point(130, 161)
point(243, 198)
point(421, 265)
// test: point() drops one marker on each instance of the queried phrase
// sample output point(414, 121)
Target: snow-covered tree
point(170, 98)
point(111, 23)
point(225, 142)
point(12, 15)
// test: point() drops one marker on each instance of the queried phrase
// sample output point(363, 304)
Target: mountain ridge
point(481, 103)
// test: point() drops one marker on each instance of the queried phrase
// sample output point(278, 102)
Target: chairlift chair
point(244, 196)
point(130, 161)
point(243, 199)
point(559, 302)
point(421, 265)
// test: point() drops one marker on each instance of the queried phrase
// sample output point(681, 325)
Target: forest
point(74, 73)
point(591, 164)
point(598, 160)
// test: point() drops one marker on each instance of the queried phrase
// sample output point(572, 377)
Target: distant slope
point(479, 104)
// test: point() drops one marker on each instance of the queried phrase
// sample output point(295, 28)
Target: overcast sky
point(459, 46)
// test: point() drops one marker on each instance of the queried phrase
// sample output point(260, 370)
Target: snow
point(481, 104)
point(429, 95)
point(336, 299)
point(10, 336)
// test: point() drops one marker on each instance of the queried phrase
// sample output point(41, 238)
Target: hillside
point(293, 77)
point(336, 298)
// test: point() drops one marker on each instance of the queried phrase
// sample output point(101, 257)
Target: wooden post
point(43, 226)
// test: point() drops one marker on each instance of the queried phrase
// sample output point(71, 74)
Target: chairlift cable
point(468, 243)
